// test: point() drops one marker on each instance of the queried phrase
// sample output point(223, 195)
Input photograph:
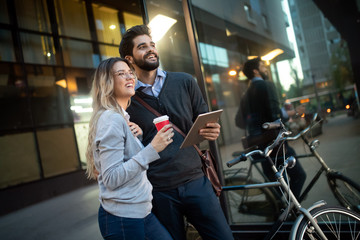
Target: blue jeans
point(121, 228)
point(197, 201)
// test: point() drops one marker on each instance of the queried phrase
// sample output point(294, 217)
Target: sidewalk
point(71, 216)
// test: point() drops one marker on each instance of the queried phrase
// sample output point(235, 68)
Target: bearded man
point(179, 185)
point(258, 105)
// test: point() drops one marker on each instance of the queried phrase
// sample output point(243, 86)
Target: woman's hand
point(163, 138)
point(135, 129)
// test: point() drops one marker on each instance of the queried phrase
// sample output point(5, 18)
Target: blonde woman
point(116, 156)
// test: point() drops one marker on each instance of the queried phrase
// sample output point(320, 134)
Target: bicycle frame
point(314, 153)
point(293, 201)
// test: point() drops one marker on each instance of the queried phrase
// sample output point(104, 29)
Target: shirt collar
point(159, 74)
point(256, 79)
point(126, 115)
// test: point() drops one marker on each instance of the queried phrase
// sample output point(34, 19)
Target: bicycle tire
point(336, 223)
point(346, 191)
point(259, 201)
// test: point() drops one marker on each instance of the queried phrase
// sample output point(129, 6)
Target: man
point(180, 187)
point(260, 104)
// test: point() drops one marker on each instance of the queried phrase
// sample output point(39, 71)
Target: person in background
point(180, 186)
point(260, 104)
point(117, 158)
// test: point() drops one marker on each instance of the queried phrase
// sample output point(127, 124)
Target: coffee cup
point(160, 122)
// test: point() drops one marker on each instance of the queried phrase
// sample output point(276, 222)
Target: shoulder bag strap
point(156, 113)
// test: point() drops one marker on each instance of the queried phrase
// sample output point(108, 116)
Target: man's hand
point(211, 131)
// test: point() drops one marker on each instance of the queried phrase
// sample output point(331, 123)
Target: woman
point(118, 160)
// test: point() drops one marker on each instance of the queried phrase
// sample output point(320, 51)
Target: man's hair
point(127, 44)
point(251, 65)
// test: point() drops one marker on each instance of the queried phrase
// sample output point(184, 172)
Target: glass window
point(107, 51)
point(33, 15)
point(79, 82)
point(57, 151)
point(78, 54)
point(132, 20)
point(19, 161)
point(72, 18)
point(296, 79)
point(107, 24)
point(13, 98)
point(38, 49)
point(6, 48)
point(4, 16)
point(50, 98)
point(172, 42)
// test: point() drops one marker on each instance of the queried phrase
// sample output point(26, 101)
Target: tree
point(340, 67)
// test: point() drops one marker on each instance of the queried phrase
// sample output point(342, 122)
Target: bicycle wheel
point(336, 223)
point(259, 202)
point(346, 191)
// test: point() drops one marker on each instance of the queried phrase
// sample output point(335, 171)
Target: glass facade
point(49, 50)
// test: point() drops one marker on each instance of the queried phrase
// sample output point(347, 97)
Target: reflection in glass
point(13, 98)
point(4, 16)
point(50, 101)
point(132, 20)
point(38, 49)
point(249, 29)
point(107, 24)
point(62, 142)
point(174, 49)
point(6, 48)
point(224, 47)
point(78, 54)
point(33, 14)
point(72, 18)
point(108, 51)
point(19, 162)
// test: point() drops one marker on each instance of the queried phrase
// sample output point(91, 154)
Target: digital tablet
point(193, 136)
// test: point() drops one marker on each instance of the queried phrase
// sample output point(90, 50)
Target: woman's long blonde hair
point(102, 92)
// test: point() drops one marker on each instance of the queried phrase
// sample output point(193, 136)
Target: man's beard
point(263, 75)
point(147, 66)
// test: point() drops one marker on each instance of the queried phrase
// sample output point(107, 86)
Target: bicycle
point(317, 222)
point(346, 191)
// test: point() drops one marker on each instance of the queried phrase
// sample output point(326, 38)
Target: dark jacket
point(258, 105)
point(180, 98)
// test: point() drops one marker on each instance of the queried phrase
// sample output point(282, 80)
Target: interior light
point(80, 109)
point(159, 26)
point(61, 83)
point(112, 27)
point(83, 100)
point(272, 54)
point(232, 72)
point(242, 76)
point(251, 57)
point(48, 54)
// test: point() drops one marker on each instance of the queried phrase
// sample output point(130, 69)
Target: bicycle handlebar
point(272, 125)
point(282, 136)
point(242, 157)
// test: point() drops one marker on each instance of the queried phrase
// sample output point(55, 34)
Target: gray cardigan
point(124, 189)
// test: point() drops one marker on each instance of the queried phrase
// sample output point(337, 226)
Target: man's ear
point(130, 59)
